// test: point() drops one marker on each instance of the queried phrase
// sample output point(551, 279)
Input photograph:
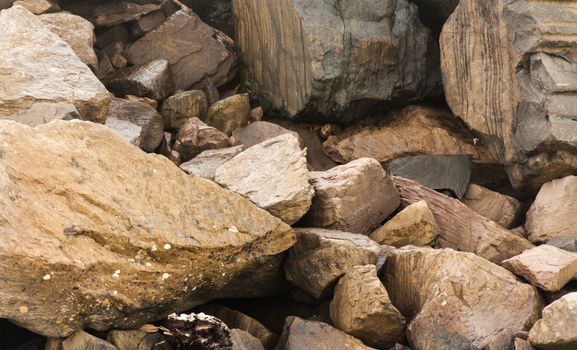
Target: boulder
point(186, 42)
point(38, 7)
point(557, 330)
point(553, 212)
point(361, 307)
point(458, 300)
point(229, 114)
point(136, 340)
point(272, 174)
point(153, 80)
point(195, 137)
point(260, 131)
point(120, 252)
point(566, 243)
point(515, 84)
point(321, 256)
point(82, 340)
point(355, 197)
point(500, 208)
point(107, 13)
point(42, 76)
point(546, 267)
point(242, 340)
point(182, 106)
point(414, 225)
point(206, 163)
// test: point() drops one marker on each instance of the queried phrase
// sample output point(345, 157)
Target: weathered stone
point(229, 114)
point(109, 36)
point(553, 212)
point(566, 243)
point(522, 344)
point(195, 137)
point(242, 340)
point(434, 13)
point(260, 131)
point(355, 197)
point(82, 341)
point(546, 267)
point(206, 163)
point(137, 340)
point(361, 307)
point(110, 12)
point(186, 42)
point(272, 174)
point(182, 106)
point(39, 70)
point(120, 252)
point(196, 331)
point(256, 114)
point(115, 54)
point(557, 330)
point(415, 225)
point(502, 209)
point(217, 13)
point(333, 59)
point(153, 80)
point(458, 300)
point(38, 7)
point(515, 84)
point(147, 23)
point(321, 256)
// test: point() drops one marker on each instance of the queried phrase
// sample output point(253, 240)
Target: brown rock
point(206, 163)
point(557, 329)
point(502, 209)
point(137, 340)
point(82, 340)
point(260, 131)
point(115, 54)
point(361, 307)
point(415, 225)
point(355, 197)
point(195, 137)
point(147, 23)
point(38, 7)
point(106, 13)
point(229, 114)
point(182, 106)
point(522, 344)
point(242, 340)
point(256, 114)
point(110, 35)
point(153, 80)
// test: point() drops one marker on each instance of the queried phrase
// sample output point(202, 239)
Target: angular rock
point(522, 344)
point(153, 80)
point(217, 13)
point(361, 307)
point(260, 131)
point(415, 225)
point(500, 208)
point(182, 106)
point(41, 73)
point(229, 114)
point(120, 252)
point(242, 340)
point(38, 7)
point(115, 54)
point(273, 175)
point(461, 228)
point(553, 212)
point(82, 340)
point(108, 36)
point(557, 330)
point(147, 23)
point(523, 105)
point(355, 197)
point(186, 42)
point(320, 257)
point(566, 243)
point(106, 13)
point(196, 331)
point(195, 137)
point(137, 340)
point(329, 58)
point(546, 267)
point(206, 163)
point(458, 300)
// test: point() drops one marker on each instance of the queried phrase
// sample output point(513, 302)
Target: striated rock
point(120, 252)
point(260, 131)
point(206, 163)
point(106, 13)
point(38, 7)
point(229, 114)
point(42, 76)
point(355, 197)
point(273, 175)
point(182, 106)
point(361, 307)
point(186, 42)
point(546, 267)
point(558, 328)
point(82, 340)
point(195, 137)
point(415, 225)
point(553, 212)
point(153, 80)
point(458, 300)
point(242, 340)
point(321, 256)
point(461, 228)
point(523, 104)
point(502, 209)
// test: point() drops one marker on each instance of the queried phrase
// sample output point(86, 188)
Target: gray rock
point(216, 13)
point(206, 163)
point(106, 13)
point(195, 137)
point(242, 340)
point(153, 80)
point(182, 106)
point(83, 341)
point(434, 13)
point(568, 243)
point(259, 131)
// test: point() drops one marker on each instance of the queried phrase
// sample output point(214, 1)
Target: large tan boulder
point(97, 233)
point(458, 300)
point(500, 208)
point(557, 330)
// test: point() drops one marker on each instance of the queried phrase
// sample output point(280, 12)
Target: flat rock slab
point(206, 163)
point(120, 252)
point(558, 328)
point(110, 12)
point(258, 132)
point(495, 206)
point(153, 80)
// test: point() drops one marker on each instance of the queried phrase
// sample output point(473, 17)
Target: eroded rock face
point(500, 208)
point(119, 253)
point(558, 328)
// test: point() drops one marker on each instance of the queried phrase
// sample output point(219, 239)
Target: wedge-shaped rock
point(557, 330)
point(361, 307)
point(260, 131)
point(40, 71)
point(153, 80)
point(97, 233)
point(206, 163)
point(415, 225)
point(272, 174)
point(546, 267)
point(195, 137)
point(458, 300)
point(502, 209)
point(321, 256)
point(182, 106)
point(229, 114)
point(106, 13)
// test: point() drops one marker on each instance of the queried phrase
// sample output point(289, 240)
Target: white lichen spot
point(165, 276)
point(233, 229)
point(115, 292)
point(154, 248)
point(148, 264)
point(116, 274)
point(47, 277)
point(167, 246)
point(23, 309)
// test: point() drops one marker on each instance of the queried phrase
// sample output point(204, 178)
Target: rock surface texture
point(502, 209)
point(557, 330)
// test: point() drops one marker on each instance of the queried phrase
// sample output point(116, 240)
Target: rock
point(182, 106)
point(273, 175)
point(361, 307)
point(521, 344)
point(107, 13)
point(256, 114)
point(137, 340)
point(502, 209)
point(38, 7)
point(42, 75)
point(434, 13)
point(229, 114)
point(147, 23)
point(137, 123)
point(355, 197)
point(458, 300)
point(558, 327)
point(206, 163)
point(196, 331)
point(415, 225)
point(217, 13)
point(260, 131)
point(185, 41)
point(546, 267)
point(153, 80)
point(334, 60)
point(77, 32)
point(443, 173)
point(195, 137)
point(301, 334)
point(115, 54)
point(108, 36)
point(553, 212)
point(242, 340)
point(566, 243)
point(461, 228)
point(120, 252)
point(320, 257)
point(523, 106)
point(82, 340)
